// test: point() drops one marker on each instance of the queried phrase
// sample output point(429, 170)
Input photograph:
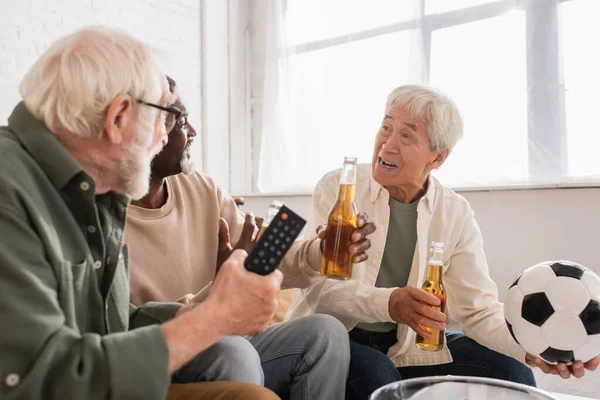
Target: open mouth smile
point(387, 164)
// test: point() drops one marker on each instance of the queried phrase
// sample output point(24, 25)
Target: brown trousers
point(219, 391)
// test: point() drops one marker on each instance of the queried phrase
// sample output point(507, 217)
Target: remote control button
point(287, 239)
point(279, 223)
point(272, 261)
point(256, 261)
point(281, 235)
point(277, 241)
point(278, 253)
point(284, 216)
point(286, 228)
point(293, 232)
point(261, 253)
point(272, 249)
point(267, 244)
point(270, 236)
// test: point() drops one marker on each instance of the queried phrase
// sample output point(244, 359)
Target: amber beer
point(433, 284)
point(341, 223)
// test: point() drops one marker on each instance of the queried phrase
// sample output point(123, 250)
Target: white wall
point(520, 227)
point(27, 27)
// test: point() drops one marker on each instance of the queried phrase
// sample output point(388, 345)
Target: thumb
point(322, 232)
point(248, 228)
point(224, 237)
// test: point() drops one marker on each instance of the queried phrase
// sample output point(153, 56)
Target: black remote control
point(275, 242)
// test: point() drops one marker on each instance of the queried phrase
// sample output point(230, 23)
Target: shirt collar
point(44, 147)
point(428, 198)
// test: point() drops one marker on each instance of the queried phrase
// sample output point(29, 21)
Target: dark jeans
point(370, 368)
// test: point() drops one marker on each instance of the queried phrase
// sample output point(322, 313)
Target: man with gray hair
point(384, 308)
point(74, 152)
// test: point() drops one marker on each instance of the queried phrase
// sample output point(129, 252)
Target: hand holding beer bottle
point(341, 223)
point(422, 309)
point(433, 284)
point(344, 239)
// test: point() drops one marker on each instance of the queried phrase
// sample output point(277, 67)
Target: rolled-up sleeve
point(152, 313)
point(43, 356)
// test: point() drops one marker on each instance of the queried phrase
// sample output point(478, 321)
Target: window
point(504, 62)
point(581, 63)
point(481, 74)
point(335, 106)
point(442, 6)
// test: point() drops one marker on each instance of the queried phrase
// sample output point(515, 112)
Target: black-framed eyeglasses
point(180, 119)
point(172, 110)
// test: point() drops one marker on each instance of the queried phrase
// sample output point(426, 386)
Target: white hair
point(71, 85)
point(445, 126)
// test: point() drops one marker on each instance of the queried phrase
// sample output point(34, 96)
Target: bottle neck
point(271, 213)
point(347, 193)
point(348, 176)
point(433, 272)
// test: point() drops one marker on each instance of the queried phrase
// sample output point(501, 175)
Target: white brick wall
point(27, 27)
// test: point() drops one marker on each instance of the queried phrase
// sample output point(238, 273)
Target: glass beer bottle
point(341, 223)
point(271, 213)
point(433, 284)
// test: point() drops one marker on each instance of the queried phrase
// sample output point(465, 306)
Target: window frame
point(548, 117)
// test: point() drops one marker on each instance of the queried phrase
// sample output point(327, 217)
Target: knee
point(371, 365)
point(521, 374)
point(515, 371)
point(326, 335)
point(233, 358)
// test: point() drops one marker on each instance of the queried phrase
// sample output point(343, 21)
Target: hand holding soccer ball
point(553, 312)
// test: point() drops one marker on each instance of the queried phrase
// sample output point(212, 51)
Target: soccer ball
point(553, 312)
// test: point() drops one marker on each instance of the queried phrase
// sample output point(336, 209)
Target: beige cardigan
point(443, 216)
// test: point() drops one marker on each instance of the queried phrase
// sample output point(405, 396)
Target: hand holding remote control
point(275, 242)
point(247, 301)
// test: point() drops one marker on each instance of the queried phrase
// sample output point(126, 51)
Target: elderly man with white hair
point(74, 152)
point(383, 307)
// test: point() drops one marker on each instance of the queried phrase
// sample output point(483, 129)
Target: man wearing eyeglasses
point(74, 153)
point(179, 234)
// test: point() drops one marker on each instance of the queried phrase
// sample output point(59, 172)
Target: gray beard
point(187, 165)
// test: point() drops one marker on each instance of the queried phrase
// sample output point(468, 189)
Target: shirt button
point(97, 264)
point(383, 222)
point(375, 257)
point(91, 229)
point(12, 380)
point(84, 186)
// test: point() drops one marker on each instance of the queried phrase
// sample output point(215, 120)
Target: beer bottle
point(271, 213)
point(433, 284)
point(341, 223)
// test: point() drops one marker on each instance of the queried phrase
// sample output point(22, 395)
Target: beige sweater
point(173, 250)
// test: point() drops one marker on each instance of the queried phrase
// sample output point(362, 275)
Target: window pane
point(440, 6)
point(310, 20)
point(481, 65)
point(338, 97)
point(579, 25)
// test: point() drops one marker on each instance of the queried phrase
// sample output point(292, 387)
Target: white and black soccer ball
point(553, 311)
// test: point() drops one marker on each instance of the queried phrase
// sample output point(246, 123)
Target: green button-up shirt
point(67, 331)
